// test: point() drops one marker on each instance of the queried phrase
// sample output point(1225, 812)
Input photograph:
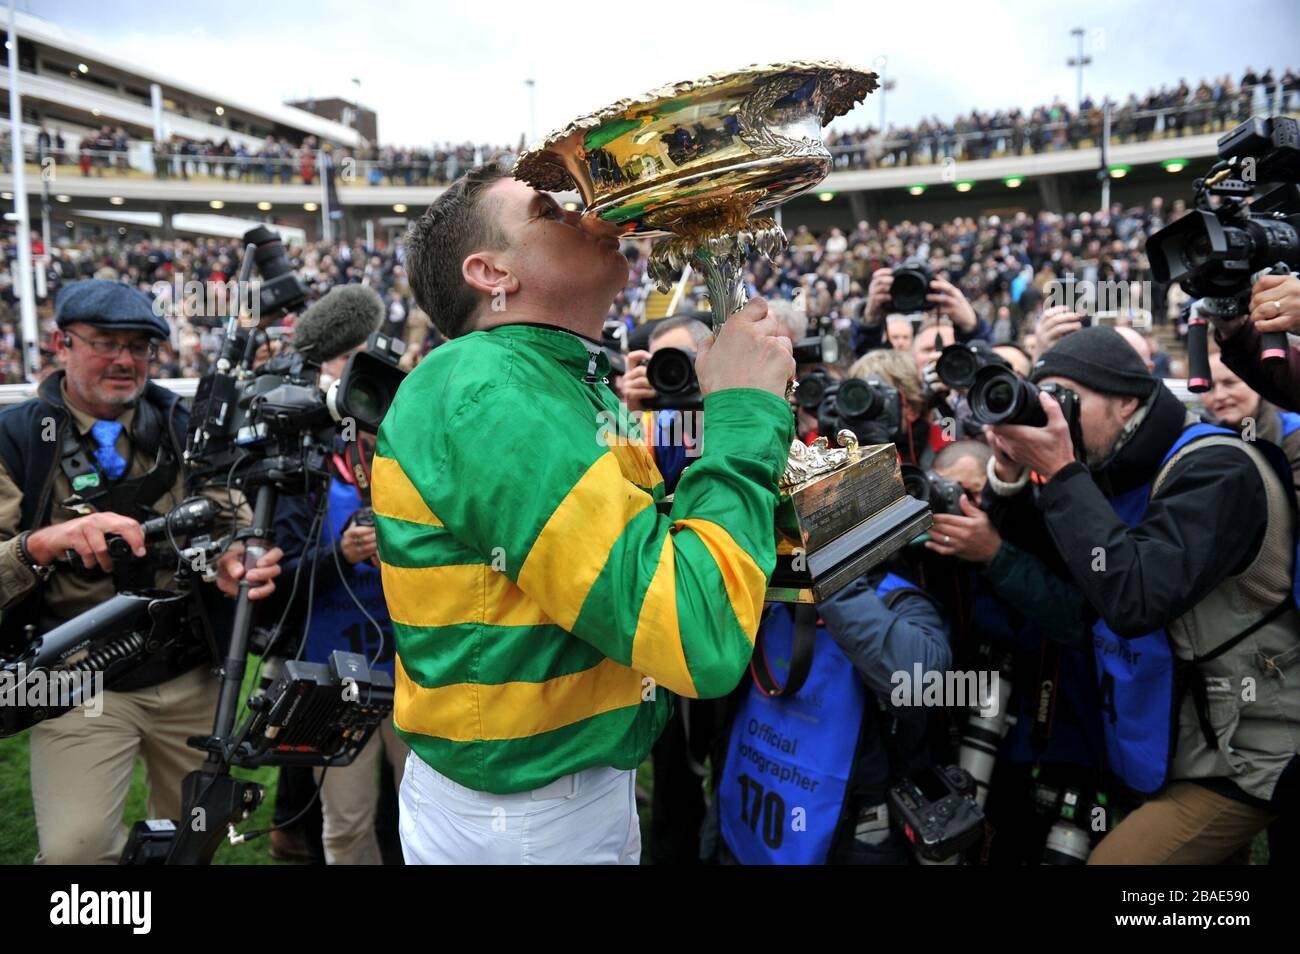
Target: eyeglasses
point(104, 348)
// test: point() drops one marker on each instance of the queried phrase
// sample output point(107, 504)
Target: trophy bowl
point(698, 159)
point(696, 162)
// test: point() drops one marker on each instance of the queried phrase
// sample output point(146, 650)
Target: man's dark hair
point(456, 225)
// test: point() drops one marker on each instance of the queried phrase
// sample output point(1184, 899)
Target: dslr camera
point(943, 495)
point(999, 396)
point(907, 294)
point(671, 372)
point(870, 408)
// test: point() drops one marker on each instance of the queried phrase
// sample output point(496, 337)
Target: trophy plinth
point(842, 512)
point(697, 161)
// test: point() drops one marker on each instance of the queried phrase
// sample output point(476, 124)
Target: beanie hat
point(1098, 358)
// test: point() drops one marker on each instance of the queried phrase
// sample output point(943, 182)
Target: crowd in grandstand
point(1211, 105)
point(1001, 264)
point(1172, 110)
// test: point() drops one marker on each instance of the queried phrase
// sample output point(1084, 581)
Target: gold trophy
point(697, 161)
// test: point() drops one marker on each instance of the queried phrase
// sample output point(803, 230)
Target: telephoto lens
point(983, 736)
point(1067, 843)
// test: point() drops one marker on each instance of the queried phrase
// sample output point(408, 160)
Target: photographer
point(685, 334)
point(544, 608)
point(96, 451)
point(1274, 307)
point(1181, 538)
point(944, 299)
point(909, 422)
point(1019, 607)
point(835, 744)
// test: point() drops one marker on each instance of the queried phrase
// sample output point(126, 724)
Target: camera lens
point(956, 366)
point(915, 482)
point(999, 397)
point(855, 399)
point(811, 391)
point(671, 371)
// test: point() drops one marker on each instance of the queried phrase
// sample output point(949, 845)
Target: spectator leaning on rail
point(1180, 536)
point(542, 605)
point(114, 460)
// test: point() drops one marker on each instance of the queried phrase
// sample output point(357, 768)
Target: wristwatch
point(41, 573)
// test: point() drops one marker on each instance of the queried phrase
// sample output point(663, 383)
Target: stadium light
point(1079, 62)
point(399, 207)
point(1174, 165)
point(310, 207)
point(117, 200)
point(964, 186)
point(63, 198)
point(1014, 182)
point(571, 206)
point(83, 68)
point(216, 204)
point(916, 189)
point(220, 110)
point(1119, 172)
point(825, 196)
point(264, 206)
point(6, 196)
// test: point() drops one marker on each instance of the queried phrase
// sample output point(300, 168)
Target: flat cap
point(109, 305)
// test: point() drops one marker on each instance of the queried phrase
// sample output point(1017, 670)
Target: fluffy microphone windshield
point(340, 321)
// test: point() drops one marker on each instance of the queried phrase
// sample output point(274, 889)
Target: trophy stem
point(724, 278)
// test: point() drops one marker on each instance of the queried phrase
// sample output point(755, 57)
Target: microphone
point(340, 321)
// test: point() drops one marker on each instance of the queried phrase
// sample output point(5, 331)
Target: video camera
point(1214, 251)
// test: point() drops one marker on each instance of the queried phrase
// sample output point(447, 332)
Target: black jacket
point(1207, 524)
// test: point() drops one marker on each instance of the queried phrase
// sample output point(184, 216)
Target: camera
point(870, 408)
point(671, 372)
point(1212, 252)
point(281, 290)
point(810, 389)
point(817, 349)
point(943, 495)
point(937, 813)
point(958, 363)
point(911, 285)
point(999, 396)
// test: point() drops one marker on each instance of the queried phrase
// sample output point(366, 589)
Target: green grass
point(18, 844)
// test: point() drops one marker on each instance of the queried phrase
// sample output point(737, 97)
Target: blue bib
point(789, 759)
point(1291, 424)
point(1136, 676)
point(336, 621)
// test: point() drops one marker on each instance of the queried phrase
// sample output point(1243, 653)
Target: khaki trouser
point(81, 766)
point(1187, 825)
point(349, 797)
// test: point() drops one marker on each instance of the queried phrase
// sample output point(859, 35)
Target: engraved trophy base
point(846, 512)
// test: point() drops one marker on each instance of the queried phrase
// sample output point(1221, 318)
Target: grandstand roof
point(50, 34)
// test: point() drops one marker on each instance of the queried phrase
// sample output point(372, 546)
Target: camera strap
point(801, 654)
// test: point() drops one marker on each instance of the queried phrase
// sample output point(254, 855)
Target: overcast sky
point(436, 71)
